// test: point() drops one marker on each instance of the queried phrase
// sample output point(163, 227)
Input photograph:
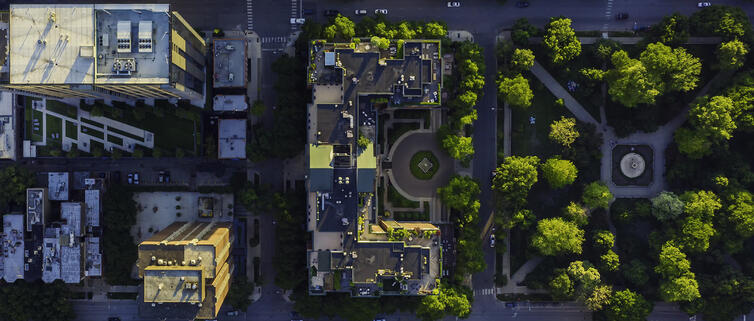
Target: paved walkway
point(400, 154)
point(574, 106)
point(518, 277)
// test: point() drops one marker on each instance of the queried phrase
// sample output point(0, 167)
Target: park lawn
point(395, 198)
point(92, 132)
point(71, 130)
point(528, 139)
point(54, 126)
point(37, 134)
point(413, 215)
point(62, 108)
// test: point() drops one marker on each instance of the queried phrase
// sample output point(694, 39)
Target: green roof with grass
point(366, 158)
point(320, 156)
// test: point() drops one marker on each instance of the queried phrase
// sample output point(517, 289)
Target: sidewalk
point(574, 106)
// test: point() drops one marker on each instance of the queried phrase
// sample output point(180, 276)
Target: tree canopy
point(559, 172)
point(458, 147)
point(461, 193)
point(522, 59)
point(515, 91)
point(14, 181)
point(23, 301)
point(560, 39)
point(679, 283)
point(629, 83)
point(515, 177)
point(556, 236)
point(627, 305)
point(576, 213)
point(448, 301)
point(731, 55)
point(701, 204)
point(341, 29)
point(666, 206)
point(713, 117)
point(597, 195)
point(741, 213)
point(671, 69)
point(564, 131)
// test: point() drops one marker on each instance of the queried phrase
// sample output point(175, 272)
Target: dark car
point(331, 13)
point(522, 4)
point(308, 12)
point(621, 16)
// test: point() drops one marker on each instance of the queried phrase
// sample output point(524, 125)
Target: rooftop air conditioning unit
point(145, 36)
point(124, 36)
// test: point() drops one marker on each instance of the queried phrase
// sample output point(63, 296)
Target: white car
point(380, 11)
point(299, 21)
point(360, 12)
point(453, 4)
point(492, 240)
point(703, 4)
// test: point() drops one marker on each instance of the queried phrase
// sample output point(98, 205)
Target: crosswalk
point(280, 39)
point(295, 13)
point(249, 15)
point(489, 291)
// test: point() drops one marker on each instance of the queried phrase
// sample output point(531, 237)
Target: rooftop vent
point(124, 36)
point(145, 36)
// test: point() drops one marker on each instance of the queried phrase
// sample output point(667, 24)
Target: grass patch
point(115, 139)
point(93, 123)
point(398, 130)
point(531, 139)
point(62, 108)
point(36, 132)
point(395, 198)
point(124, 133)
point(54, 128)
point(413, 215)
point(92, 132)
point(414, 114)
point(418, 158)
point(71, 130)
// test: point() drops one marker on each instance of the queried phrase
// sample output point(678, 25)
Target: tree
point(341, 29)
point(627, 305)
point(695, 235)
point(521, 31)
point(448, 301)
point(673, 262)
point(459, 147)
point(629, 82)
point(522, 59)
point(461, 193)
point(24, 300)
point(671, 69)
point(587, 279)
point(725, 21)
point(561, 286)
point(713, 117)
point(560, 39)
point(434, 30)
point(731, 55)
point(576, 213)
point(597, 195)
point(673, 29)
point(603, 240)
point(666, 206)
point(239, 294)
point(599, 297)
point(610, 261)
point(741, 213)
point(515, 177)
point(432, 308)
point(693, 143)
point(258, 108)
point(701, 204)
point(381, 43)
point(138, 153)
point(468, 98)
point(636, 272)
point(556, 236)
point(14, 181)
point(564, 131)
point(684, 288)
point(559, 172)
point(515, 91)
point(120, 207)
point(363, 141)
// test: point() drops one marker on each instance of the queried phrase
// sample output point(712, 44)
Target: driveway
point(402, 151)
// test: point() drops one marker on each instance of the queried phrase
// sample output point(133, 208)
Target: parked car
point(360, 12)
point(703, 4)
point(621, 16)
point(130, 178)
point(453, 4)
point(136, 178)
point(308, 12)
point(522, 4)
point(167, 176)
point(161, 177)
point(299, 21)
point(492, 240)
point(380, 11)
point(331, 12)
point(232, 313)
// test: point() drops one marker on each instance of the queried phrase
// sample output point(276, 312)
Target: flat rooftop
point(7, 126)
point(93, 257)
point(12, 248)
point(230, 103)
point(70, 212)
point(92, 201)
point(173, 284)
point(51, 43)
point(51, 255)
point(231, 138)
point(57, 185)
point(35, 207)
point(229, 58)
point(138, 33)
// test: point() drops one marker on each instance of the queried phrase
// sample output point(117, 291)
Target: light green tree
point(701, 204)
point(461, 193)
point(673, 262)
point(741, 213)
point(522, 59)
point(610, 261)
point(515, 91)
point(564, 131)
point(666, 206)
point(731, 55)
point(603, 240)
point(561, 286)
point(695, 235)
point(341, 29)
point(684, 288)
point(627, 305)
point(459, 147)
point(434, 30)
point(560, 40)
point(559, 172)
point(556, 236)
point(713, 117)
point(671, 69)
point(382, 43)
point(576, 213)
point(693, 143)
point(629, 82)
point(515, 177)
point(599, 297)
point(597, 195)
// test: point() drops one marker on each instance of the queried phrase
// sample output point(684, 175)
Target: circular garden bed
point(424, 165)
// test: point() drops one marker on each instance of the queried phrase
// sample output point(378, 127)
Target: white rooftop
point(12, 248)
point(7, 127)
point(35, 203)
point(230, 103)
point(51, 43)
point(93, 257)
point(51, 255)
point(70, 212)
point(91, 199)
point(231, 138)
point(57, 184)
